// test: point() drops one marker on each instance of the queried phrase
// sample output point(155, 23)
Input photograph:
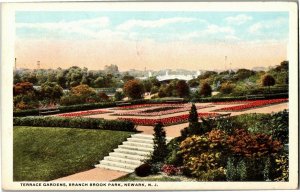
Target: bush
point(226, 88)
point(160, 148)
point(280, 126)
point(173, 157)
point(143, 170)
point(170, 169)
point(205, 90)
point(241, 143)
point(205, 153)
point(77, 122)
point(134, 89)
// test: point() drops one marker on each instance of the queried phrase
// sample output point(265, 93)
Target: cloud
point(127, 25)
point(258, 27)
point(238, 20)
point(215, 29)
point(85, 26)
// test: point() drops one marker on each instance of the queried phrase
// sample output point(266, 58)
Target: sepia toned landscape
point(154, 96)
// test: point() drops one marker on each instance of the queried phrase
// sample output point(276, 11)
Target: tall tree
point(160, 146)
point(183, 89)
point(268, 80)
point(205, 90)
point(51, 91)
point(193, 120)
point(134, 89)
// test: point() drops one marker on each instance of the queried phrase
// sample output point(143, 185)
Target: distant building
point(168, 77)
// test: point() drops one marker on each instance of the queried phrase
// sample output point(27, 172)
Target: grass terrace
point(44, 154)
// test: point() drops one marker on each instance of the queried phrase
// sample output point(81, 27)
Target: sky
point(151, 40)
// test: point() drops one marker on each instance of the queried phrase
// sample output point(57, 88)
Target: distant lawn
point(43, 154)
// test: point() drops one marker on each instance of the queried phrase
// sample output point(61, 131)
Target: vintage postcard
point(149, 96)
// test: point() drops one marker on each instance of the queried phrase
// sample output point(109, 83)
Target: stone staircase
point(130, 154)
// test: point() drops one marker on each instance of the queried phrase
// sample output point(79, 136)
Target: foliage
point(143, 170)
point(182, 88)
point(119, 96)
point(51, 91)
point(134, 89)
point(170, 169)
point(82, 90)
point(282, 164)
point(194, 126)
point(23, 88)
point(202, 154)
point(103, 96)
point(268, 80)
point(45, 154)
point(205, 90)
point(173, 157)
point(280, 126)
point(77, 122)
point(160, 147)
point(241, 143)
point(227, 88)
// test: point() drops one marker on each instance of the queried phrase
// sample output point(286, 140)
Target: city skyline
point(156, 40)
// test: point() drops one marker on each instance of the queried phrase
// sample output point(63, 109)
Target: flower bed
point(176, 109)
point(166, 121)
point(129, 107)
point(253, 104)
point(83, 113)
point(230, 102)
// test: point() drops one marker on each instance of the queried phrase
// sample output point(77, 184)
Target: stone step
point(132, 143)
point(136, 148)
point(118, 164)
point(139, 140)
point(144, 136)
point(123, 160)
point(114, 168)
point(128, 156)
point(132, 152)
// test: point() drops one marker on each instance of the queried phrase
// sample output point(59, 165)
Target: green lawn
point(43, 154)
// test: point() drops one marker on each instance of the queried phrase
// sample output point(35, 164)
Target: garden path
point(96, 174)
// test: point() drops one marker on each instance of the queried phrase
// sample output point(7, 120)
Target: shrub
point(241, 143)
point(170, 169)
point(226, 88)
point(173, 157)
point(156, 167)
point(160, 148)
point(77, 122)
point(231, 172)
point(193, 120)
point(205, 153)
point(119, 96)
point(143, 170)
point(282, 167)
point(134, 89)
point(205, 90)
point(280, 126)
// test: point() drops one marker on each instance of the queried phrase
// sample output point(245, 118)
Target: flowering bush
point(253, 104)
point(205, 153)
point(242, 143)
point(170, 169)
point(166, 121)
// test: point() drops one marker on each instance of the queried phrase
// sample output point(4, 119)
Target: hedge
point(80, 107)
point(65, 109)
point(233, 98)
point(76, 122)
